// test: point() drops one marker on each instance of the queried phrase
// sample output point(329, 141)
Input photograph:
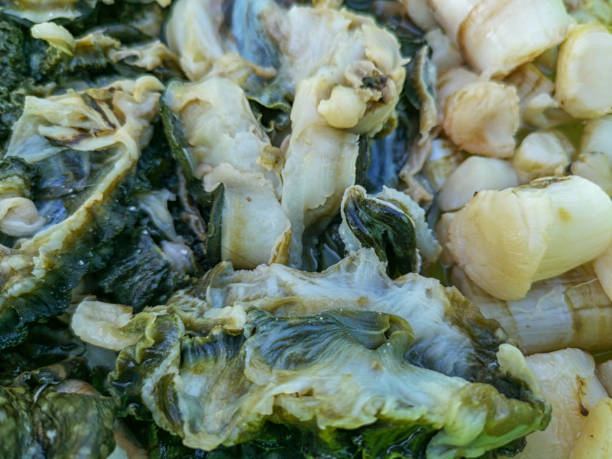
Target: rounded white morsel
point(584, 72)
point(541, 154)
point(594, 161)
point(475, 174)
point(444, 53)
point(497, 36)
point(482, 118)
point(506, 240)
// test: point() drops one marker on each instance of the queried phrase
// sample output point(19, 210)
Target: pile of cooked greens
point(216, 239)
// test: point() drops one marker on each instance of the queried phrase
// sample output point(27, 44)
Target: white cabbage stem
point(496, 36)
point(451, 81)
point(542, 154)
point(149, 55)
point(544, 111)
point(101, 324)
point(254, 229)
point(217, 135)
point(538, 106)
point(595, 159)
point(584, 72)
point(499, 35)
point(571, 310)
point(192, 34)
point(482, 118)
point(530, 81)
point(229, 147)
point(475, 174)
point(344, 108)
point(319, 166)
point(567, 380)
point(506, 240)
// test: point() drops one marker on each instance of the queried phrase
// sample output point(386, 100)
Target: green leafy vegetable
point(12, 58)
point(145, 221)
point(88, 63)
point(328, 358)
point(391, 223)
point(315, 371)
point(140, 274)
point(464, 340)
point(76, 194)
point(385, 228)
point(256, 44)
point(326, 249)
point(177, 140)
point(46, 344)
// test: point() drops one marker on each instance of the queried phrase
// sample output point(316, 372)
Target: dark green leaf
point(384, 228)
point(325, 250)
point(177, 141)
point(47, 343)
point(53, 424)
point(216, 385)
point(156, 166)
point(215, 226)
point(138, 273)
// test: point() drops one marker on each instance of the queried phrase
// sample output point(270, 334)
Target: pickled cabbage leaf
point(357, 358)
point(65, 164)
